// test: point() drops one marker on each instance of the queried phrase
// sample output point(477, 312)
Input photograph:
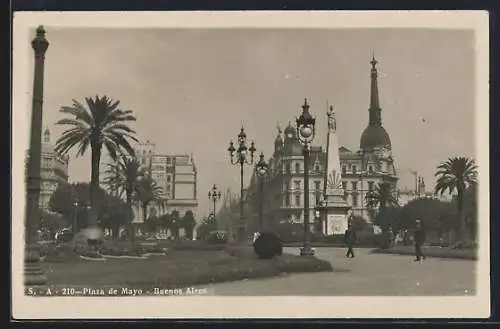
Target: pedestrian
point(350, 240)
point(419, 239)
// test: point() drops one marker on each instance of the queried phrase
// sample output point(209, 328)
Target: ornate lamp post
point(214, 195)
point(305, 132)
point(241, 156)
point(261, 168)
point(33, 274)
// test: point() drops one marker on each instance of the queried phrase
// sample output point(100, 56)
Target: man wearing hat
point(419, 239)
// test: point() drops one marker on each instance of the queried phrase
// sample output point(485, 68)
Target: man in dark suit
point(419, 239)
point(350, 240)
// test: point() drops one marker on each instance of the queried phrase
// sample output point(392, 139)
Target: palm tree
point(101, 124)
point(382, 197)
point(123, 177)
point(148, 191)
point(455, 175)
point(189, 223)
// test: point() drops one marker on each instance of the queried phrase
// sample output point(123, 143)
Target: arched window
point(370, 169)
point(297, 168)
point(297, 200)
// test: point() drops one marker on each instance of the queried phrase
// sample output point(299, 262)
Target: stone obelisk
point(336, 206)
point(33, 274)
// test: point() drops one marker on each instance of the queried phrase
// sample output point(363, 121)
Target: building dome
point(289, 131)
point(374, 136)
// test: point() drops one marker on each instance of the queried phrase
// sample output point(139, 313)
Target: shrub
point(267, 245)
point(217, 237)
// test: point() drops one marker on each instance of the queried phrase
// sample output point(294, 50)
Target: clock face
point(290, 135)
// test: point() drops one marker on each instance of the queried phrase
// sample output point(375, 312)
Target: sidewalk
point(431, 251)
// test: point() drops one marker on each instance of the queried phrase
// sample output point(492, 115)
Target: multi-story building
point(176, 174)
point(362, 170)
point(53, 170)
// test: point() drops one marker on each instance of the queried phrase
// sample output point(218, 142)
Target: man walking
point(419, 239)
point(350, 240)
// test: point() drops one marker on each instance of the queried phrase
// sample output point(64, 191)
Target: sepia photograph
point(188, 164)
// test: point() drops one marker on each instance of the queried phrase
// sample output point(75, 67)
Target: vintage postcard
point(188, 164)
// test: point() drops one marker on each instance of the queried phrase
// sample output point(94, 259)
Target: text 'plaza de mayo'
point(361, 172)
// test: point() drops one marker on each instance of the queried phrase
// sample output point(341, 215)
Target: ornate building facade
point(361, 170)
point(176, 174)
point(53, 170)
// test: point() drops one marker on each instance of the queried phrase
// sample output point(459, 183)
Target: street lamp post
point(75, 209)
point(261, 168)
point(33, 274)
point(305, 132)
point(214, 195)
point(241, 156)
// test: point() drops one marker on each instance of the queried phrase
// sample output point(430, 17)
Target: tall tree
point(176, 224)
point(189, 223)
point(123, 177)
point(114, 214)
point(72, 200)
point(148, 192)
point(455, 175)
point(100, 124)
point(382, 197)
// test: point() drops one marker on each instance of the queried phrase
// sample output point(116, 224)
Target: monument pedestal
point(336, 219)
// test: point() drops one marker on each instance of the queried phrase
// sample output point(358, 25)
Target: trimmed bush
point(267, 245)
point(60, 253)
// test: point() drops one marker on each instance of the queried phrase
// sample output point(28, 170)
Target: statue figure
point(332, 122)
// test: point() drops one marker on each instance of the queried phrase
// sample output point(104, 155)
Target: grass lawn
point(177, 269)
point(432, 251)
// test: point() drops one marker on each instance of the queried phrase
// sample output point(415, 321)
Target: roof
point(374, 136)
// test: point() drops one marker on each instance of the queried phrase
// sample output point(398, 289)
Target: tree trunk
point(145, 213)
point(94, 185)
point(462, 227)
point(131, 229)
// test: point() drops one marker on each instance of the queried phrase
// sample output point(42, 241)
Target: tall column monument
point(336, 207)
point(33, 274)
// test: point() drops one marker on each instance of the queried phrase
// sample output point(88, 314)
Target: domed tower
point(291, 143)
point(374, 136)
point(278, 142)
point(46, 136)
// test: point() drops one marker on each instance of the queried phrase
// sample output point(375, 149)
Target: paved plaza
point(366, 275)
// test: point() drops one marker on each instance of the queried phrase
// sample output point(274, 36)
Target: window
point(370, 169)
point(143, 161)
point(287, 199)
point(297, 184)
point(345, 195)
point(354, 170)
point(318, 197)
point(344, 186)
point(344, 170)
point(297, 168)
point(288, 167)
point(287, 186)
point(354, 200)
point(354, 186)
point(297, 200)
point(370, 186)
point(317, 185)
point(168, 178)
point(316, 168)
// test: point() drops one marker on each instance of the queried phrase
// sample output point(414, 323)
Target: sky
point(192, 89)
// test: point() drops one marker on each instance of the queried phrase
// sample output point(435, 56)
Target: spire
point(375, 118)
point(46, 136)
